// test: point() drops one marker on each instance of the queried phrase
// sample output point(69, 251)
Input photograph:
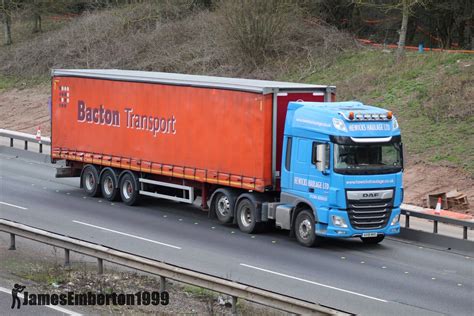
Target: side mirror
point(321, 162)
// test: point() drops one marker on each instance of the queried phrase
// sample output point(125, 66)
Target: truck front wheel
point(90, 180)
point(246, 216)
point(304, 229)
point(128, 189)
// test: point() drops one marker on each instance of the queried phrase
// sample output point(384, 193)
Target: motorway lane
point(391, 278)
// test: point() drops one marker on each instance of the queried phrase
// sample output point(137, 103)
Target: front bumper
point(330, 230)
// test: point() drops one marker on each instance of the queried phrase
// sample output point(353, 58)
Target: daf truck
point(256, 153)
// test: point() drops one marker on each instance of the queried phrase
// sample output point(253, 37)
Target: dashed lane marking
point(314, 283)
point(13, 205)
point(126, 234)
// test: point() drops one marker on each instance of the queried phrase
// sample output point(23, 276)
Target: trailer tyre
point(304, 229)
point(224, 203)
point(246, 217)
point(372, 240)
point(90, 181)
point(109, 186)
point(129, 189)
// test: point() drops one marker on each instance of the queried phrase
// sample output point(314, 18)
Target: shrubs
point(251, 38)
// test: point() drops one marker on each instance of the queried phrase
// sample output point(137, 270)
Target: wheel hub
point(223, 205)
point(305, 229)
point(246, 216)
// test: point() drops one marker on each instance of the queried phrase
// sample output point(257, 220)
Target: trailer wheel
point(246, 217)
point(108, 184)
point(372, 240)
point(90, 180)
point(304, 229)
point(128, 189)
point(224, 202)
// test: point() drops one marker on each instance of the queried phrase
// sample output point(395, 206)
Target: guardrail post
point(234, 305)
point(26, 145)
point(407, 220)
point(41, 148)
point(12, 242)
point(66, 258)
point(100, 264)
point(162, 284)
point(464, 232)
point(11, 142)
point(435, 227)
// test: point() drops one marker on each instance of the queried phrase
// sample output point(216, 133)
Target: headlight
point(339, 124)
point(395, 220)
point(338, 221)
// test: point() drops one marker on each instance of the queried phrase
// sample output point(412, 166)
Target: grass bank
point(432, 94)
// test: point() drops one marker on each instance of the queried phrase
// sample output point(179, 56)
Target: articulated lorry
point(257, 153)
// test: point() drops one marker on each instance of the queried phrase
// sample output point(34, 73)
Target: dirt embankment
point(27, 109)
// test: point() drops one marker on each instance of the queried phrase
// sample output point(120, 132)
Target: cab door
point(319, 181)
point(301, 165)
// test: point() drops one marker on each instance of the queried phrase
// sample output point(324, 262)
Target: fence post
point(12, 242)
point(26, 145)
point(11, 142)
point(407, 220)
point(435, 227)
point(234, 305)
point(67, 263)
point(100, 265)
point(464, 232)
point(41, 148)
point(162, 284)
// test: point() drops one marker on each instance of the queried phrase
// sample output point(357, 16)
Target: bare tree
point(5, 13)
point(406, 7)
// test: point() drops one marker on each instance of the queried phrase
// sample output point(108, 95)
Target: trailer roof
point(249, 85)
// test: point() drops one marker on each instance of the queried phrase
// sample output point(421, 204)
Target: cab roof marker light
point(351, 116)
point(389, 115)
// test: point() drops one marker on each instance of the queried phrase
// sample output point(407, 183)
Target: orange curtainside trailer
point(180, 129)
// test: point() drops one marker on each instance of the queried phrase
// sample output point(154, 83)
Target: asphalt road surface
point(393, 278)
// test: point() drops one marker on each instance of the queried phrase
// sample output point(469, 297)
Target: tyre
point(305, 230)
point(224, 203)
point(109, 186)
point(372, 240)
point(129, 189)
point(90, 181)
point(247, 216)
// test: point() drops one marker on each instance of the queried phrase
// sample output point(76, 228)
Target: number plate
point(369, 235)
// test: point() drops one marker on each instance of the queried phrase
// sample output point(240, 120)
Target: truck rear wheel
point(129, 189)
point(108, 183)
point(246, 216)
point(304, 229)
point(224, 203)
point(90, 180)
point(372, 240)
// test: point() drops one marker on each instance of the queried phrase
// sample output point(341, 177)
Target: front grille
point(369, 213)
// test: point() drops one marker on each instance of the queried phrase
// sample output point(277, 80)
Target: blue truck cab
point(341, 173)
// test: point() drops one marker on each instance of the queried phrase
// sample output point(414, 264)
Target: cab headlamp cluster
point(368, 116)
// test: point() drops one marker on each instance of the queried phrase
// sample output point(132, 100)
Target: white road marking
point(13, 205)
point(312, 282)
point(128, 235)
point(57, 308)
